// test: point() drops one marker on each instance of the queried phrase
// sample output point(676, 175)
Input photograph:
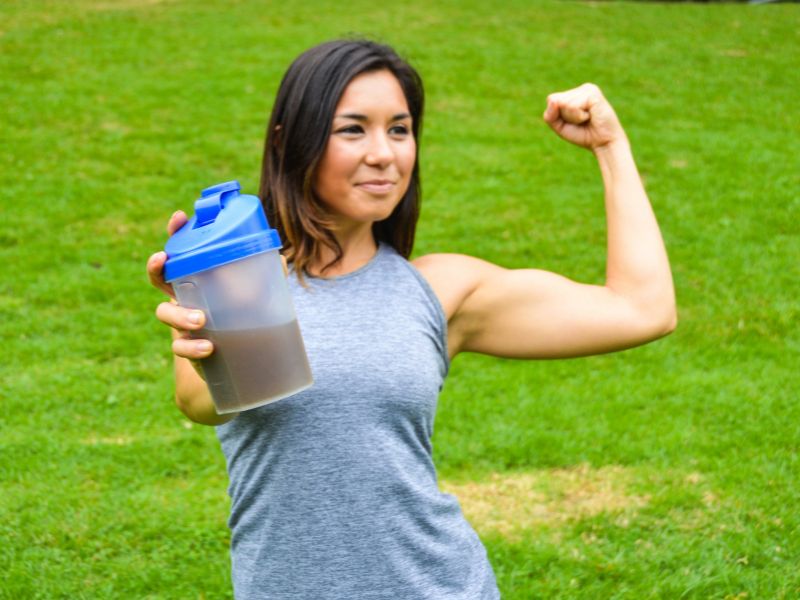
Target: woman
point(334, 492)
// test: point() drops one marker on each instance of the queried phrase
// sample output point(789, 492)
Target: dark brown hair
point(297, 136)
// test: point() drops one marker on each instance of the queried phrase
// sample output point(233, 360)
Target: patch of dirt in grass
point(118, 440)
point(128, 4)
point(678, 163)
point(511, 503)
point(734, 52)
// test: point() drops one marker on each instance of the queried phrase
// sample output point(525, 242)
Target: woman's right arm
point(191, 392)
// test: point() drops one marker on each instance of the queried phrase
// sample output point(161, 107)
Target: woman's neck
point(358, 248)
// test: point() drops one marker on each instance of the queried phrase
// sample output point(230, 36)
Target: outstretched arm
point(529, 313)
point(191, 392)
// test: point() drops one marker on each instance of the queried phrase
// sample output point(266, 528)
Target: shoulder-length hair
point(297, 136)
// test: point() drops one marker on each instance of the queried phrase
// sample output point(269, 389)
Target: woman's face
point(367, 164)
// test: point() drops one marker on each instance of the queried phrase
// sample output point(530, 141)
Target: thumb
point(155, 272)
point(176, 221)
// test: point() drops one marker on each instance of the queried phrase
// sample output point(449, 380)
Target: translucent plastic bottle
point(225, 262)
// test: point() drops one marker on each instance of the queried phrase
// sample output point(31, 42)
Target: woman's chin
point(372, 214)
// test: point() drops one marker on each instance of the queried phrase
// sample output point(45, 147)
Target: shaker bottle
point(225, 262)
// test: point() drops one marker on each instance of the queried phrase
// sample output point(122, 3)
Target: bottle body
point(259, 356)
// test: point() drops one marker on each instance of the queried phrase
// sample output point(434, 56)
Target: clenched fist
point(584, 117)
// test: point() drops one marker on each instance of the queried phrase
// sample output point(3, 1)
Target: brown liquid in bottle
point(251, 367)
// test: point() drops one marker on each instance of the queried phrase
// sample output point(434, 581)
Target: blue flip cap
point(226, 227)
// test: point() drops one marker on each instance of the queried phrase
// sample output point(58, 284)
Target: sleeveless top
point(333, 490)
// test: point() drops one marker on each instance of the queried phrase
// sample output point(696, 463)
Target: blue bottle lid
point(226, 227)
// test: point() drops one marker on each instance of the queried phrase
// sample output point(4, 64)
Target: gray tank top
point(333, 491)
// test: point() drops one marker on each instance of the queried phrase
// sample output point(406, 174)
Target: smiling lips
point(376, 186)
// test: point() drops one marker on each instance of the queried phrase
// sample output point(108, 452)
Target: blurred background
point(667, 471)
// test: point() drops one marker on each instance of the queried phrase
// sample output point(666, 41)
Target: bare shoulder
point(453, 277)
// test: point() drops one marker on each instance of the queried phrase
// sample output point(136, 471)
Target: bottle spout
point(212, 200)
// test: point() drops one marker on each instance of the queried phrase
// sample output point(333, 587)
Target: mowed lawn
point(668, 471)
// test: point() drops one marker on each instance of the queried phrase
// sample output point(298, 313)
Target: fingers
point(155, 264)
point(192, 349)
point(185, 321)
point(572, 106)
point(569, 109)
point(574, 114)
point(155, 272)
point(178, 317)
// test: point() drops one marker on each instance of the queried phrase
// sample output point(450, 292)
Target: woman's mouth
point(376, 186)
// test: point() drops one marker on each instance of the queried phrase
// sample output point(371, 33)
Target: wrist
point(614, 147)
point(614, 156)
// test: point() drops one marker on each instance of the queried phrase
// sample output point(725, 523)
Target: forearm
point(192, 395)
point(637, 266)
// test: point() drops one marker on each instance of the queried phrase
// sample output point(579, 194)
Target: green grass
point(116, 113)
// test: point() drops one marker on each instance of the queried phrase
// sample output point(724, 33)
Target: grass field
point(668, 471)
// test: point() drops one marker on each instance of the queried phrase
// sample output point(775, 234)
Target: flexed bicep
point(531, 313)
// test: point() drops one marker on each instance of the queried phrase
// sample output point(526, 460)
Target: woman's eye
point(399, 130)
point(353, 129)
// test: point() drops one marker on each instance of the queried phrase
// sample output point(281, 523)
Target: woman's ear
point(276, 136)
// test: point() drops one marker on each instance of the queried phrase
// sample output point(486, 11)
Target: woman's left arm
point(529, 313)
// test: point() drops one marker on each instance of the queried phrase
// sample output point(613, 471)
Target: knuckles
point(165, 312)
point(177, 347)
point(593, 91)
point(161, 311)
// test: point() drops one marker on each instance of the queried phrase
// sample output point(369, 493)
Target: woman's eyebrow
point(360, 117)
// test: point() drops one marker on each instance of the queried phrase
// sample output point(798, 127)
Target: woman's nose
point(379, 151)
